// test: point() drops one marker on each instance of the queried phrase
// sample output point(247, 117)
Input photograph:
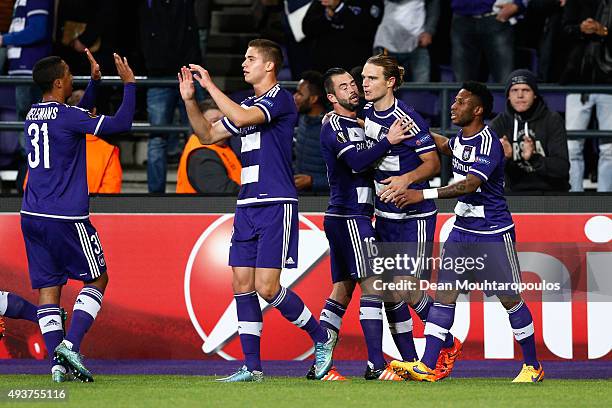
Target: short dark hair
point(314, 81)
point(270, 50)
point(46, 71)
point(208, 104)
point(485, 96)
point(328, 82)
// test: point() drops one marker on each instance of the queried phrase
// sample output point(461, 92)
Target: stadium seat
point(424, 102)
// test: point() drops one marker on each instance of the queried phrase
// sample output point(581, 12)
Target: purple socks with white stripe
point(250, 324)
point(400, 324)
point(331, 315)
point(86, 308)
point(16, 307)
point(50, 323)
point(522, 327)
point(293, 309)
point(439, 322)
point(422, 310)
point(370, 317)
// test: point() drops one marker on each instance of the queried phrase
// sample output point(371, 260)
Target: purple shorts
point(494, 260)
point(265, 236)
point(61, 250)
point(419, 232)
point(349, 239)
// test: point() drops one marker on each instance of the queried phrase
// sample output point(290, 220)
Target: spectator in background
point(589, 62)
point(104, 171)
point(341, 33)
point(212, 169)
point(483, 27)
point(169, 40)
point(309, 167)
point(533, 137)
point(405, 33)
point(29, 39)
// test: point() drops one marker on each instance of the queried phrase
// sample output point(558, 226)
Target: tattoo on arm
point(467, 186)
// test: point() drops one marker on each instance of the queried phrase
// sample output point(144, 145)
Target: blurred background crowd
point(518, 44)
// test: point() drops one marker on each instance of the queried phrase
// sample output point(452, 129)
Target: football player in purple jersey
point(61, 243)
point(265, 234)
point(483, 229)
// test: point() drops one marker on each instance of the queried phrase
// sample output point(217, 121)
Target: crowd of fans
point(552, 41)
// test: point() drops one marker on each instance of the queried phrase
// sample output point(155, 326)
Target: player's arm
point(362, 160)
point(396, 185)
point(206, 132)
point(442, 143)
point(238, 115)
point(469, 185)
point(88, 101)
point(121, 122)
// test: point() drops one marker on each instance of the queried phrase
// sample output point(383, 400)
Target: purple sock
point(86, 308)
point(422, 310)
point(16, 307)
point(400, 324)
point(439, 322)
point(522, 326)
point(293, 309)
point(331, 315)
point(250, 323)
point(50, 323)
point(370, 317)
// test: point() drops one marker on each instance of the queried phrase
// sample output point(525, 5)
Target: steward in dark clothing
point(548, 167)
point(342, 36)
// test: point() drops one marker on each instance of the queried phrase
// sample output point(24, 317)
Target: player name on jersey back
point(57, 170)
point(351, 192)
point(266, 151)
point(485, 211)
point(401, 158)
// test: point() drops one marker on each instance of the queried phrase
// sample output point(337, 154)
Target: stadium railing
point(444, 90)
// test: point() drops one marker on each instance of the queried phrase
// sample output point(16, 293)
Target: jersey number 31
point(34, 131)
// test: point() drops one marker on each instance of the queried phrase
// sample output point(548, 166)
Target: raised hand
point(201, 75)
point(123, 69)
point(399, 128)
point(186, 86)
point(95, 68)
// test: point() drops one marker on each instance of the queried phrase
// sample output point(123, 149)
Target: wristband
point(430, 193)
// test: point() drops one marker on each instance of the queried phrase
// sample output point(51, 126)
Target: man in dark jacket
point(534, 138)
point(309, 166)
point(169, 37)
point(587, 23)
point(332, 24)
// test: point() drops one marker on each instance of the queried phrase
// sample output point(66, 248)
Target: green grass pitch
point(179, 391)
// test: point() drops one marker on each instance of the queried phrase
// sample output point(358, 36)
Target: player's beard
point(346, 104)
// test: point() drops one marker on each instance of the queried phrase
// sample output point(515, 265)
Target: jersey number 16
point(34, 132)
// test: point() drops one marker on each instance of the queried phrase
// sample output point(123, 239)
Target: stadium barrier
point(170, 293)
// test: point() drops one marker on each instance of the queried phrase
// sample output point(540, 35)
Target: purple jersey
point(401, 158)
point(23, 57)
point(485, 211)
point(266, 152)
point(351, 192)
point(55, 147)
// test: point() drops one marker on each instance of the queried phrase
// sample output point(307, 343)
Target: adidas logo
point(52, 322)
point(79, 302)
point(324, 314)
point(290, 261)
